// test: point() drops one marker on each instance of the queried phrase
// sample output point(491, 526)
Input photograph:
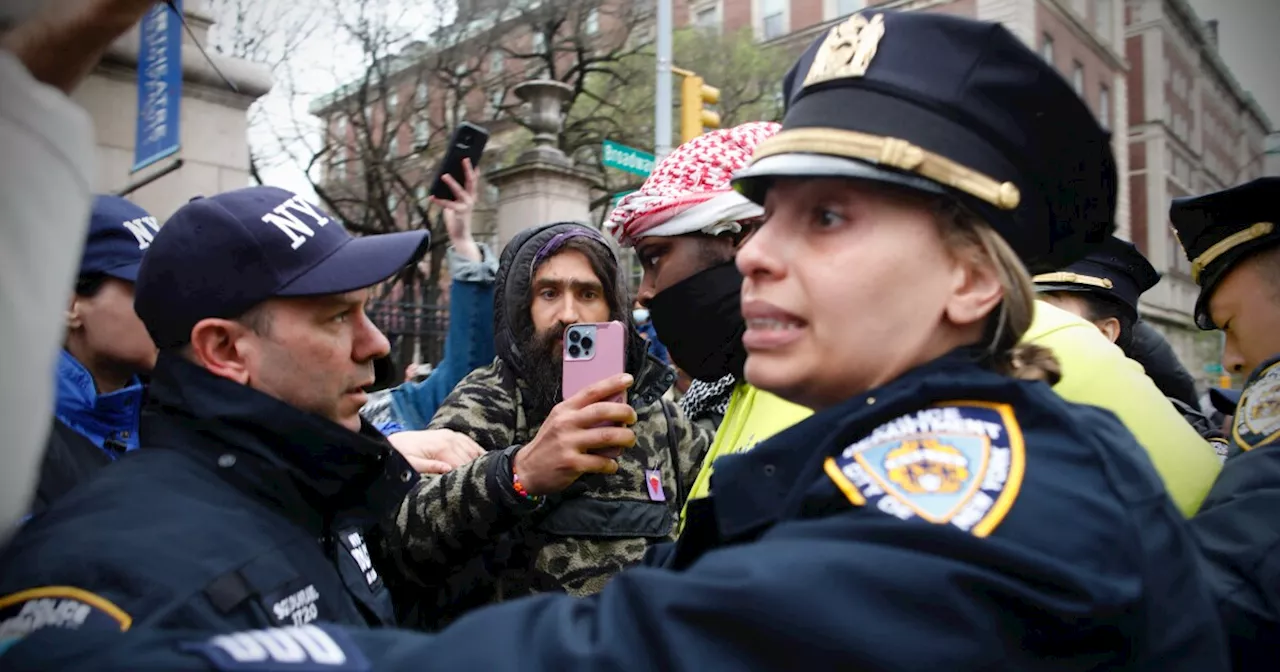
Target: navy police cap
point(949, 106)
point(1115, 271)
point(1219, 229)
point(221, 256)
point(119, 233)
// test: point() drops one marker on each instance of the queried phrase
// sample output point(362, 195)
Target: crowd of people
point(925, 428)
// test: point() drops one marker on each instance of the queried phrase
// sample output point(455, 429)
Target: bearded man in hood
point(568, 492)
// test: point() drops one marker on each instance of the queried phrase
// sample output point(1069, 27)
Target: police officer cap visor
point(755, 180)
point(942, 104)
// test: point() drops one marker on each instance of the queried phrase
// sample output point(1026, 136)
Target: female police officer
point(936, 512)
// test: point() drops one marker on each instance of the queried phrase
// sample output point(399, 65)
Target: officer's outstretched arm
point(841, 592)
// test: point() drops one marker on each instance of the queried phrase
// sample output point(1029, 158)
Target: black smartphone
point(468, 142)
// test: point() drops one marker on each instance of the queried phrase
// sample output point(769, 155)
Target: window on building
point(393, 204)
point(844, 7)
point(539, 43)
point(592, 23)
point(340, 165)
point(421, 129)
point(1102, 19)
point(451, 106)
point(420, 93)
point(420, 195)
point(774, 12)
point(393, 147)
point(368, 113)
point(1077, 77)
point(707, 19)
point(393, 101)
point(1104, 106)
point(340, 126)
point(494, 103)
point(1046, 48)
point(497, 62)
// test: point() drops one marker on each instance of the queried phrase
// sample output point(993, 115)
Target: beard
point(544, 375)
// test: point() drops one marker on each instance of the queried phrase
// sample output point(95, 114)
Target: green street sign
point(627, 159)
point(1213, 369)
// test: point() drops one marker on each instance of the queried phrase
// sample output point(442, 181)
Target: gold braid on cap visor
point(895, 153)
point(1223, 246)
point(1073, 279)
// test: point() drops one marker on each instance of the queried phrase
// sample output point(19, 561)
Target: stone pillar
point(215, 125)
point(543, 185)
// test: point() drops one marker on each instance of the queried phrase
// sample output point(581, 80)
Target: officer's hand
point(435, 451)
point(581, 435)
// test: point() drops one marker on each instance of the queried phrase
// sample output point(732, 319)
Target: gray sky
point(1249, 43)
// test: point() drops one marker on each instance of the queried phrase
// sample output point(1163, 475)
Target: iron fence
point(416, 331)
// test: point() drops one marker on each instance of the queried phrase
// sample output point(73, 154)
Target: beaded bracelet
point(520, 490)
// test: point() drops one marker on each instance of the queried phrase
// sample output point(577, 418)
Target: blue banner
point(159, 85)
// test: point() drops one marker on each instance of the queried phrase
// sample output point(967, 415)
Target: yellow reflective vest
point(1094, 371)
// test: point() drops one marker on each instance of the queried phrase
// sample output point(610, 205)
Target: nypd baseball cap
point(222, 255)
point(119, 233)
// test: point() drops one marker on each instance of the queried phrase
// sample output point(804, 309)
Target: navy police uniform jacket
point(239, 511)
point(1238, 526)
point(953, 519)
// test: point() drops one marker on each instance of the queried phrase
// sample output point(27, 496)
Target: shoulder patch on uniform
point(293, 649)
point(24, 612)
point(1257, 418)
point(959, 463)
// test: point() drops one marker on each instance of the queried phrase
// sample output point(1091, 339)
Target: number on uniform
point(299, 649)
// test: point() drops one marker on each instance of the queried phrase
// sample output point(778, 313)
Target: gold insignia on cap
point(895, 153)
point(848, 49)
point(1226, 244)
point(1074, 279)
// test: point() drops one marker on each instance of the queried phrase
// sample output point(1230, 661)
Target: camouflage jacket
point(470, 540)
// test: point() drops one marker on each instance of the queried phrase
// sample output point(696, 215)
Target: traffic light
point(694, 117)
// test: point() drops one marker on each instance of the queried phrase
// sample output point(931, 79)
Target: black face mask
point(699, 319)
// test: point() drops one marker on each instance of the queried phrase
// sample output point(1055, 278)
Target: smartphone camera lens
point(586, 343)
point(574, 351)
point(574, 337)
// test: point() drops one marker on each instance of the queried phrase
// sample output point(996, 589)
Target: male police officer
point(1104, 288)
point(1233, 243)
point(257, 482)
point(783, 571)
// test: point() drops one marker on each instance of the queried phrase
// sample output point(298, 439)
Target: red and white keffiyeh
point(689, 190)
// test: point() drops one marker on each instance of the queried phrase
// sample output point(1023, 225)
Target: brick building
point(1192, 129)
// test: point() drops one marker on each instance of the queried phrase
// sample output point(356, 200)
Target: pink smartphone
point(592, 352)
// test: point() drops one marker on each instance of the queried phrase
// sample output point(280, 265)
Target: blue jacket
point(467, 347)
point(1238, 526)
point(952, 519)
point(110, 420)
point(656, 348)
point(238, 511)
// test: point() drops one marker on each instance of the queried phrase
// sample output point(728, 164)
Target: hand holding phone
point(587, 431)
point(467, 142)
